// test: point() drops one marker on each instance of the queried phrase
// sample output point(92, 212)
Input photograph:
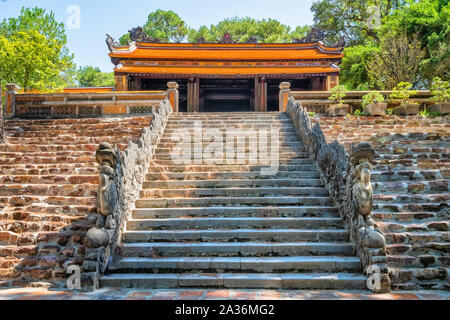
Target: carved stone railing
point(121, 178)
point(82, 103)
point(348, 180)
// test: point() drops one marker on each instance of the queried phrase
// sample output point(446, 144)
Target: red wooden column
point(263, 94)
point(257, 96)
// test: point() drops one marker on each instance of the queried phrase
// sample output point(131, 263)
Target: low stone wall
point(317, 101)
point(348, 181)
point(121, 178)
point(82, 103)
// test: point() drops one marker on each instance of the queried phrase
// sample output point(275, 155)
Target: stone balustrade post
point(11, 91)
point(173, 95)
point(285, 92)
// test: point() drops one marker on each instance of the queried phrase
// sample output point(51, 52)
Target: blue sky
point(98, 17)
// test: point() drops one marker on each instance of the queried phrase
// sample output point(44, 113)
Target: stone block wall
point(48, 191)
point(411, 183)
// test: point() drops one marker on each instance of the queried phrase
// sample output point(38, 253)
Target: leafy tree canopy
point(166, 26)
point(89, 76)
point(33, 52)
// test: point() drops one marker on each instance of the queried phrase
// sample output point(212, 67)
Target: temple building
point(225, 76)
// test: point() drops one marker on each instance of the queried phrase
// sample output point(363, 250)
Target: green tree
point(430, 21)
point(246, 29)
point(300, 32)
point(33, 51)
point(353, 19)
point(398, 60)
point(166, 26)
point(354, 73)
point(89, 76)
point(125, 39)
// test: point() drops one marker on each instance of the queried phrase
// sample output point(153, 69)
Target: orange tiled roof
point(189, 51)
point(227, 70)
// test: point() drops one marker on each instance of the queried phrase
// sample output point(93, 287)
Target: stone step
point(232, 249)
point(199, 143)
point(75, 132)
point(161, 184)
point(302, 211)
point(419, 278)
point(67, 190)
point(411, 207)
point(413, 150)
point(237, 280)
point(292, 139)
point(229, 158)
point(427, 254)
point(405, 175)
point(31, 226)
point(157, 166)
point(78, 121)
point(233, 223)
point(414, 187)
point(49, 179)
point(417, 237)
point(229, 134)
point(241, 264)
point(229, 124)
point(232, 192)
point(415, 226)
point(409, 216)
point(34, 148)
point(234, 149)
point(232, 201)
point(105, 125)
point(411, 198)
point(51, 204)
point(71, 140)
point(25, 159)
point(60, 169)
point(227, 235)
point(231, 175)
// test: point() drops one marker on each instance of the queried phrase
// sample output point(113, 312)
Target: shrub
point(440, 90)
point(372, 97)
point(338, 93)
point(359, 113)
point(312, 114)
point(403, 91)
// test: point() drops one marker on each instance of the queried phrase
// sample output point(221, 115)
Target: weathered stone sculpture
point(361, 157)
point(107, 192)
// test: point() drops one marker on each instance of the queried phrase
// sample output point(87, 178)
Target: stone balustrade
point(86, 104)
point(347, 178)
point(121, 176)
point(317, 101)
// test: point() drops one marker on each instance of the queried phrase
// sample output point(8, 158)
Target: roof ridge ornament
point(111, 43)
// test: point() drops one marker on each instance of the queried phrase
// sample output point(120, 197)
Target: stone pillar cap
point(285, 85)
point(172, 85)
point(12, 87)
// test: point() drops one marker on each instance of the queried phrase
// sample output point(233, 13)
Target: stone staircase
point(411, 187)
point(231, 226)
point(48, 187)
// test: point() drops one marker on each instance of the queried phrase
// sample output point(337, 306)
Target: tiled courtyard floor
point(136, 294)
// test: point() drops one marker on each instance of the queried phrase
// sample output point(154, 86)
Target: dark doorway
point(227, 95)
point(161, 84)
